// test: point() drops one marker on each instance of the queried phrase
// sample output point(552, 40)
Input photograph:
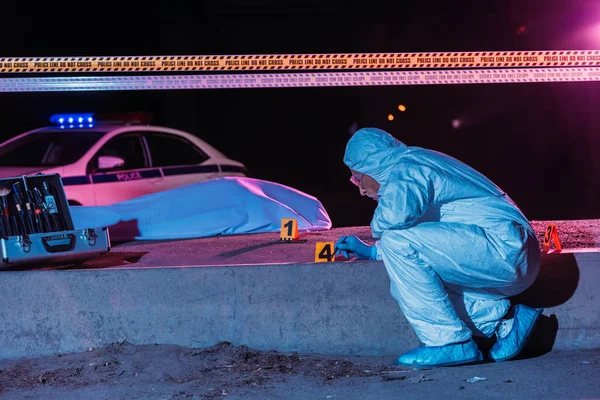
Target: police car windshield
point(48, 148)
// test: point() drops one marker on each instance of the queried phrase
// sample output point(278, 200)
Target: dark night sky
point(538, 141)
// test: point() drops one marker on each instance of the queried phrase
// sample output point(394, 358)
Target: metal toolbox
point(36, 228)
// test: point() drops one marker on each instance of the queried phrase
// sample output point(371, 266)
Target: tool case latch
point(24, 242)
point(90, 236)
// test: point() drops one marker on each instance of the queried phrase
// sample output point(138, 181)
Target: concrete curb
point(327, 308)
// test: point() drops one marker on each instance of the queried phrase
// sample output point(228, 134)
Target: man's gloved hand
point(350, 246)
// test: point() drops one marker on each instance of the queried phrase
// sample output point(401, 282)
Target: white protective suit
point(455, 246)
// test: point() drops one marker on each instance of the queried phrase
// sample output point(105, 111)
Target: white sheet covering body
point(223, 206)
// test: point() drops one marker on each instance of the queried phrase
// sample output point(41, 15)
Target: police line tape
point(319, 79)
point(513, 59)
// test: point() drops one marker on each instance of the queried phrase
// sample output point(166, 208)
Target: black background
point(538, 141)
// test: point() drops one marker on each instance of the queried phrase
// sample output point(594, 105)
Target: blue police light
point(61, 119)
point(90, 119)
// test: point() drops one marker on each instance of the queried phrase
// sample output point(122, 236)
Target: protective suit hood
point(373, 152)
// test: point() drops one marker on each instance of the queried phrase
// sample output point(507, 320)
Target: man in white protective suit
point(454, 245)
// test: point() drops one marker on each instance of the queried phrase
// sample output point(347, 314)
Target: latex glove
point(350, 246)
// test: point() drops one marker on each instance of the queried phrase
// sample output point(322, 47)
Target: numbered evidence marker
point(551, 235)
point(289, 229)
point(324, 252)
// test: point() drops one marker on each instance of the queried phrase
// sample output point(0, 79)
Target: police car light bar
point(75, 118)
point(78, 119)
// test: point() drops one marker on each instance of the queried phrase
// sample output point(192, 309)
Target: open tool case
point(36, 228)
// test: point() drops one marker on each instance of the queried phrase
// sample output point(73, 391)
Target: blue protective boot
point(511, 343)
point(442, 356)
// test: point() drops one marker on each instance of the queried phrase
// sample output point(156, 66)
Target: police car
point(104, 160)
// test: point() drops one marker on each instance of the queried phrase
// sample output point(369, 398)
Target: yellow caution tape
point(517, 59)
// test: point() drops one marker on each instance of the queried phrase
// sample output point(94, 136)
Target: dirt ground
point(126, 371)
point(210, 372)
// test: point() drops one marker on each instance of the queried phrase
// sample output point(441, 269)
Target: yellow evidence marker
point(289, 229)
point(324, 252)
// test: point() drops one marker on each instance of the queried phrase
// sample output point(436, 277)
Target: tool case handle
point(56, 243)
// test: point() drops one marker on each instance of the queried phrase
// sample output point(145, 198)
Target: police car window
point(128, 147)
point(48, 148)
point(167, 150)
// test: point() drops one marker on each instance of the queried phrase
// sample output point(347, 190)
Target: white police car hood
point(14, 172)
point(223, 206)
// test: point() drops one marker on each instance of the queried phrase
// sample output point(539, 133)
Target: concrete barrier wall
point(328, 308)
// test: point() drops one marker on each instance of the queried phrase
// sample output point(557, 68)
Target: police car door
point(181, 162)
point(134, 178)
